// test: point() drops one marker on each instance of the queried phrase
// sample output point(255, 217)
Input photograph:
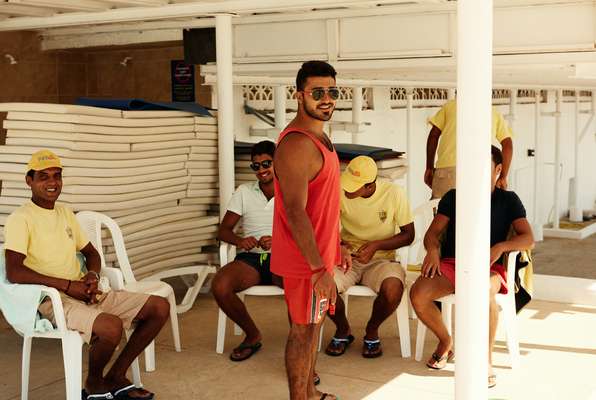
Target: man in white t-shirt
point(253, 202)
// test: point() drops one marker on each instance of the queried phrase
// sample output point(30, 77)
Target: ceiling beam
point(148, 3)
point(24, 11)
point(182, 10)
point(78, 5)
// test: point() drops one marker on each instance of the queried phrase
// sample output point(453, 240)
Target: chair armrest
point(227, 252)
point(56, 300)
point(193, 270)
point(510, 269)
point(115, 277)
point(402, 256)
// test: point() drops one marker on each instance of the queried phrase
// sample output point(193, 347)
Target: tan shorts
point(371, 274)
point(443, 181)
point(81, 316)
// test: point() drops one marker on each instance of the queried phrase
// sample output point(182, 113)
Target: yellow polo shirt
point(48, 238)
point(444, 119)
point(375, 218)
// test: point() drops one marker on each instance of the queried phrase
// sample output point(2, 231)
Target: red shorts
point(303, 305)
point(448, 271)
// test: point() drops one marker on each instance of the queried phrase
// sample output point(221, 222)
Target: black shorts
point(260, 262)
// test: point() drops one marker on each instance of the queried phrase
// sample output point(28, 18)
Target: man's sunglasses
point(318, 93)
point(255, 166)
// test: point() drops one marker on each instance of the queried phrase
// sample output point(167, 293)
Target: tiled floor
point(557, 342)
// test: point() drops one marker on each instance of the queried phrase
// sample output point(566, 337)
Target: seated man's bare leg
point(231, 279)
point(300, 363)
point(422, 295)
point(106, 335)
point(385, 304)
point(495, 286)
point(342, 326)
point(149, 321)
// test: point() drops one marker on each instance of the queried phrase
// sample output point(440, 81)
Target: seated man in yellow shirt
point(42, 238)
point(376, 220)
point(441, 177)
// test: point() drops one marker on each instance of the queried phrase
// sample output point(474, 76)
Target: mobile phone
point(318, 309)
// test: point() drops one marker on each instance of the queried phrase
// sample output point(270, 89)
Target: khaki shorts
point(80, 316)
point(371, 274)
point(443, 181)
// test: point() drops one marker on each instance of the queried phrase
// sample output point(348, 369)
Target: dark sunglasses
point(255, 166)
point(318, 93)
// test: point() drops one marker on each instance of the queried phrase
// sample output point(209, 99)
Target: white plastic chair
point(401, 314)
point(227, 252)
point(72, 344)
point(91, 222)
point(505, 301)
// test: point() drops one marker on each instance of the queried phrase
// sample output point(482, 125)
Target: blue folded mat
point(142, 105)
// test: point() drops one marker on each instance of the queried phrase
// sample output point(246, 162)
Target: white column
point(450, 94)
point(537, 228)
point(575, 210)
point(556, 185)
point(279, 100)
point(511, 121)
point(473, 175)
point(225, 109)
point(356, 111)
point(409, 134)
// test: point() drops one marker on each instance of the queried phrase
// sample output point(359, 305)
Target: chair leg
point(321, 335)
point(72, 351)
point(420, 336)
point(150, 357)
point(403, 327)
point(510, 323)
point(237, 329)
point(136, 369)
point(446, 312)
point(25, 364)
point(222, 320)
point(174, 321)
point(345, 298)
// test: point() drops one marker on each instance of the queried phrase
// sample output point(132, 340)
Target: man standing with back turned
point(306, 243)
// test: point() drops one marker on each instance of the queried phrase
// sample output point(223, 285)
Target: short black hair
point(31, 173)
point(313, 68)
point(264, 147)
point(496, 154)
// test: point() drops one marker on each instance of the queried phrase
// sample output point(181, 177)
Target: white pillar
point(473, 176)
point(279, 99)
point(511, 122)
point(556, 185)
point(575, 210)
point(225, 109)
point(537, 228)
point(409, 134)
point(450, 94)
point(356, 111)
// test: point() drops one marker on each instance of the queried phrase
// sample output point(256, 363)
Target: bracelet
point(96, 274)
point(68, 286)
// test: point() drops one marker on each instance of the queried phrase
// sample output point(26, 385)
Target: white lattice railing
point(261, 97)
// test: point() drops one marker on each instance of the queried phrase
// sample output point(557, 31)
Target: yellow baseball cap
point(360, 171)
point(43, 159)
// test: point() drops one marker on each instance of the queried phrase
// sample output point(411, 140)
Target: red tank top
point(322, 208)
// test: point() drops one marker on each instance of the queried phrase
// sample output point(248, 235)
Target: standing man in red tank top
point(306, 244)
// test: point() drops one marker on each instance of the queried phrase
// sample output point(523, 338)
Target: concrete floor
point(566, 257)
point(557, 343)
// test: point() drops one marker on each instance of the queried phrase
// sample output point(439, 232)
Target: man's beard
point(311, 113)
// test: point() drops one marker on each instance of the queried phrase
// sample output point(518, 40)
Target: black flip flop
point(374, 348)
point(122, 393)
point(316, 379)
point(324, 396)
point(243, 346)
point(339, 343)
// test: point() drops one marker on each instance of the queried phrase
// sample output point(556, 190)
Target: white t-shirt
point(250, 202)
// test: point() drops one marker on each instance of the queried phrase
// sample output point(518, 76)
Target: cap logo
point(355, 173)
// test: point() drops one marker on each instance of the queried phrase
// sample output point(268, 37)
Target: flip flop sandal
point(372, 348)
point(492, 381)
point(340, 344)
point(96, 396)
point(439, 362)
point(324, 396)
point(123, 393)
point(243, 346)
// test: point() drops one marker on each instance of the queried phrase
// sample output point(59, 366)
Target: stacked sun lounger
point(391, 164)
point(242, 171)
point(154, 172)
